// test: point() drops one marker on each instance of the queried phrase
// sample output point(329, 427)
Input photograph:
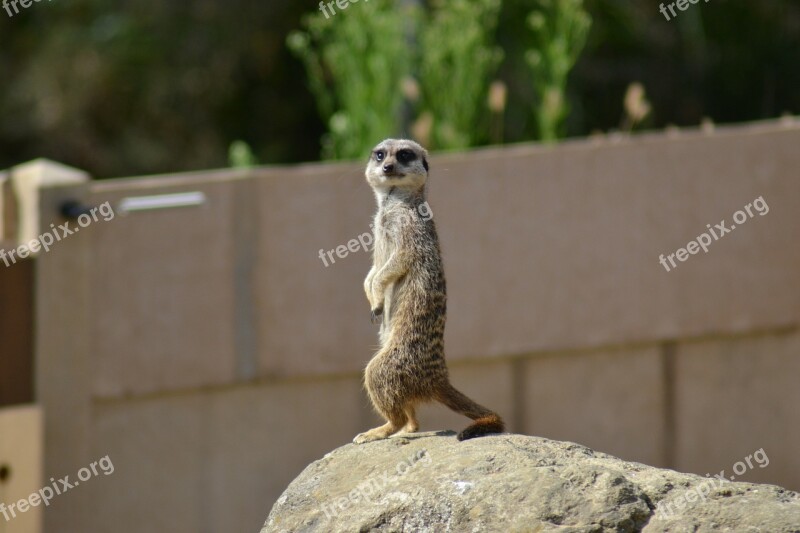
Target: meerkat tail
point(486, 421)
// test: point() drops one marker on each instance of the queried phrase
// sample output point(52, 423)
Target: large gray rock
point(432, 482)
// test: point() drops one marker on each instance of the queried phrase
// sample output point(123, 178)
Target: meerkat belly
point(392, 303)
point(413, 316)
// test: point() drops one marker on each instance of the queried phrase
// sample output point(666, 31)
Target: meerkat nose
point(388, 168)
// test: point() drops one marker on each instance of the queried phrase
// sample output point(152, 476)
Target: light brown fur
point(407, 292)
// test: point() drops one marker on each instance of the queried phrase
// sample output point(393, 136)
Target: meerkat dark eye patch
point(406, 156)
point(379, 155)
point(425, 164)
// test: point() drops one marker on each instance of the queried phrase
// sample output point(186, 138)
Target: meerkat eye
point(406, 156)
point(379, 155)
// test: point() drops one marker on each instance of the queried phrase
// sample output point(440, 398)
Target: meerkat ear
point(425, 164)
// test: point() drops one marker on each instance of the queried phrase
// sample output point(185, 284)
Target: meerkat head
point(398, 163)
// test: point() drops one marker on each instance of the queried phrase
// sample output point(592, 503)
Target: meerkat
point(406, 291)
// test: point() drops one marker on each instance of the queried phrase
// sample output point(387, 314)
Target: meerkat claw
point(361, 438)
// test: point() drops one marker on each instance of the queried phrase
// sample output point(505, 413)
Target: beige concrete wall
point(565, 240)
point(736, 396)
point(212, 462)
point(177, 293)
point(211, 354)
point(609, 400)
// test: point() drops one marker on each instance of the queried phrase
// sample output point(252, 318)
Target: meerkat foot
point(368, 436)
point(379, 433)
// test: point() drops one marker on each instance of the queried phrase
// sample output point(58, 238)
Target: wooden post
point(59, 332)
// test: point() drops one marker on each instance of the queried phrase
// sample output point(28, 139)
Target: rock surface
point(431, 482)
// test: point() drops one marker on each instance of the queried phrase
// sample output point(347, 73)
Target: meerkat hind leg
point(389, 428)
point(412, 425)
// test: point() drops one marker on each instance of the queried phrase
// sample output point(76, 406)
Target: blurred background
point(149, 87)
point(197, 339)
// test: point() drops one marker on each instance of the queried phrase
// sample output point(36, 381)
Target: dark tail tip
point(483, 426)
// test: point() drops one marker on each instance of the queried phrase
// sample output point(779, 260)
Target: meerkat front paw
point(368, 290)
point(368, 285)
point(376, 315)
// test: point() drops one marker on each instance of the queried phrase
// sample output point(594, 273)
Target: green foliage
point(149, 86)
point(360, 61)
point(152, 87)
point(240, 155)
point(560, 28)
point(356, 61)
point(457, 60)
